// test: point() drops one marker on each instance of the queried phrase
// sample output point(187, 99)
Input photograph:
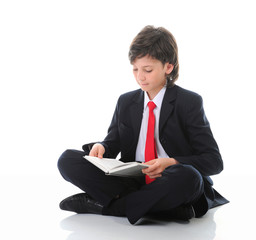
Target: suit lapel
point(167, 106)
point(136, 110)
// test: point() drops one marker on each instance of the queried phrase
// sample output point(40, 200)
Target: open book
point(116, 167)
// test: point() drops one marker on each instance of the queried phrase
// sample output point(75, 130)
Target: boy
point(161, 124)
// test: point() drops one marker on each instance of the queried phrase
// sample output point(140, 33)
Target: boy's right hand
point(97, 150)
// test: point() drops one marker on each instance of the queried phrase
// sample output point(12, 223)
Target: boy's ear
point(169, 68)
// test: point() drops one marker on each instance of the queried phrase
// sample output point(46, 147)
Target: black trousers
point(179, 185)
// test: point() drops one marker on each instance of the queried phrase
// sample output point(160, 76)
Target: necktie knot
point(151, 105)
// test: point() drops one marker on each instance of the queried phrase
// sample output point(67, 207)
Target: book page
point(129, 169)
point(104, 164)
point(116, 167)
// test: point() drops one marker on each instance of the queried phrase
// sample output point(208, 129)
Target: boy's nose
point(141, 76)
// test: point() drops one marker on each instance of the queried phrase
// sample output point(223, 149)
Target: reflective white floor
point(29, 210)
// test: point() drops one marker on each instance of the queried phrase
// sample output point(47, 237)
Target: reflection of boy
point(186, 152)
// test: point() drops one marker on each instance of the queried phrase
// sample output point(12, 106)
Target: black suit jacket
point(184, 133)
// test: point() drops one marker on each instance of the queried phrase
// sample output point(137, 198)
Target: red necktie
point(150, 148)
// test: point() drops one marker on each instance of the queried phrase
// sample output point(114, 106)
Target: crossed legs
point(179, 185)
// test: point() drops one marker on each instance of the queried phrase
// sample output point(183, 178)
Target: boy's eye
point(147, 71)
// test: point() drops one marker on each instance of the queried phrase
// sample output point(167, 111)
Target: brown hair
point(160, 44)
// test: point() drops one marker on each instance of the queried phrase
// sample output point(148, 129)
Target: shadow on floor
point(89, 226)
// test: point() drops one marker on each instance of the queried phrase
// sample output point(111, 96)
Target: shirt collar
point(158, 99)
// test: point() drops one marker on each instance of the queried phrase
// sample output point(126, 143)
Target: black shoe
point(183, 213)
point(81, 203)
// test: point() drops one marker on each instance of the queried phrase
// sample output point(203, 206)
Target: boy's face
point(150, 74)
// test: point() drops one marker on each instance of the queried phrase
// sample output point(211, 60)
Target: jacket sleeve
point(205, 155)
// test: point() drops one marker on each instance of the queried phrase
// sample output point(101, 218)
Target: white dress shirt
point(140, 150)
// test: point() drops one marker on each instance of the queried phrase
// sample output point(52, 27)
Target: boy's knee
point(68, 158)
point(191, 174)
point(63, 160)
point(186, 176)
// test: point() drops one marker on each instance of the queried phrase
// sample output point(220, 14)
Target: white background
point(63, 65)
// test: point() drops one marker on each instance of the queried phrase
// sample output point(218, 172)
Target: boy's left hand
point(157, 166)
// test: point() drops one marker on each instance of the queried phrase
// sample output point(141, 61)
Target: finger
point(153, 170)
point(151, 162)
point(101, 151)
point(150, 169)
point(93, 153)
point(100, 154)
point(155, 176)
